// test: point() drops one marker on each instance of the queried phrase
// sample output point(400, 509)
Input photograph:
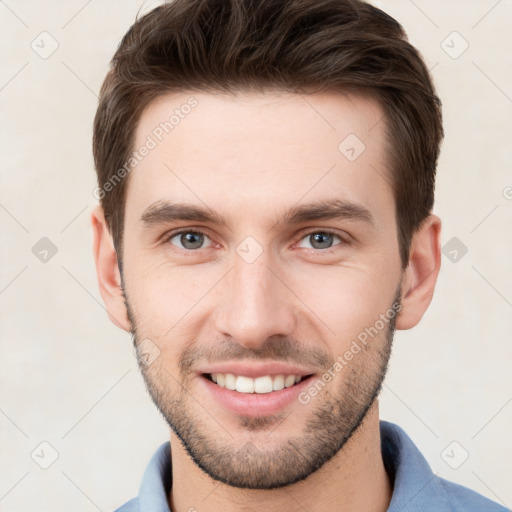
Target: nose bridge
point(256, 304)
point(251, 284)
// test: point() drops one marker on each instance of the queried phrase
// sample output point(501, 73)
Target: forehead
point(253, 154)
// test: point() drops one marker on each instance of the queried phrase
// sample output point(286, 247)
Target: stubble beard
point(334, 415)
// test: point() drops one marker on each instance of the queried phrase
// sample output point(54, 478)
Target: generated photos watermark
point(152, 140)
point(368, 334)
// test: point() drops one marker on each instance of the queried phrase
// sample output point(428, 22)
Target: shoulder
point(416, 488)
point(462, 498)
point(129, 506)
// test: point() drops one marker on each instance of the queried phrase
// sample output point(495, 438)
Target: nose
point(255, 304)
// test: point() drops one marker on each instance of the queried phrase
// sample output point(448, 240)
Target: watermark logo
point(45, 45)
point(454, 45)
point(44, 250)
point(455, 249)
point(147, 352)
point(455, 455)
point(44, 455)
point(352, 147)
point(249, 249)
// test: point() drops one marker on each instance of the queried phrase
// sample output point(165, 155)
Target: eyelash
point(343, 241)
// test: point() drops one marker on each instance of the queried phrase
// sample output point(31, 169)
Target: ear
point(107, 271)
point(420, 276)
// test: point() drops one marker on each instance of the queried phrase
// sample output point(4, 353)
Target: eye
point(189, 240)
point(320, 240)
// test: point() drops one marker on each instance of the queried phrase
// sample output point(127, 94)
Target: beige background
point(69, 377)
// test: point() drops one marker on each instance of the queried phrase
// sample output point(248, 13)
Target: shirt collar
point(414, 483)
point(157, 481)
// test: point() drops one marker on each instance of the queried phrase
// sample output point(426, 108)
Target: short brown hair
point(296, 46)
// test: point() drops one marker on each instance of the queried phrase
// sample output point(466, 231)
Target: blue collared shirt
point(415, 487)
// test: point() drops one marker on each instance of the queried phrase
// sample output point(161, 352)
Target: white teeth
point(289, 381)
point(244, 384)
point(265, 384)
point(230, 381)
point(278, 383)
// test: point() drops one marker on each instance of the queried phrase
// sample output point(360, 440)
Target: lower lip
point(254, 404)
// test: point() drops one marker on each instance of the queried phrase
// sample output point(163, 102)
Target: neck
point(353, 480)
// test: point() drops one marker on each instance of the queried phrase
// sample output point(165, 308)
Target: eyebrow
point(162, 212)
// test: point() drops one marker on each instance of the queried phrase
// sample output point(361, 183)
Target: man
point(266, 174)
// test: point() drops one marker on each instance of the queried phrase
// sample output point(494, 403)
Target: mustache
point(284, 349)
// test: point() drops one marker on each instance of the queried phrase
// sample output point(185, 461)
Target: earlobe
point(107, 271)
point(421, 273)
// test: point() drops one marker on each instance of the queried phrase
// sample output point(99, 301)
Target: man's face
point(256, 284)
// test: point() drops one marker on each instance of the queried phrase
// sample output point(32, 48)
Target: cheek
point(164, 298)
point(343, 302)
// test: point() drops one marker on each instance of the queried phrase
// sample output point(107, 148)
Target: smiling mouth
point(258, 385)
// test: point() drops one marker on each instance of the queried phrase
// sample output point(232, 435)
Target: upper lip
point(255, 370)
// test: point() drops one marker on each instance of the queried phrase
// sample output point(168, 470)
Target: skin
point(249, 158)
